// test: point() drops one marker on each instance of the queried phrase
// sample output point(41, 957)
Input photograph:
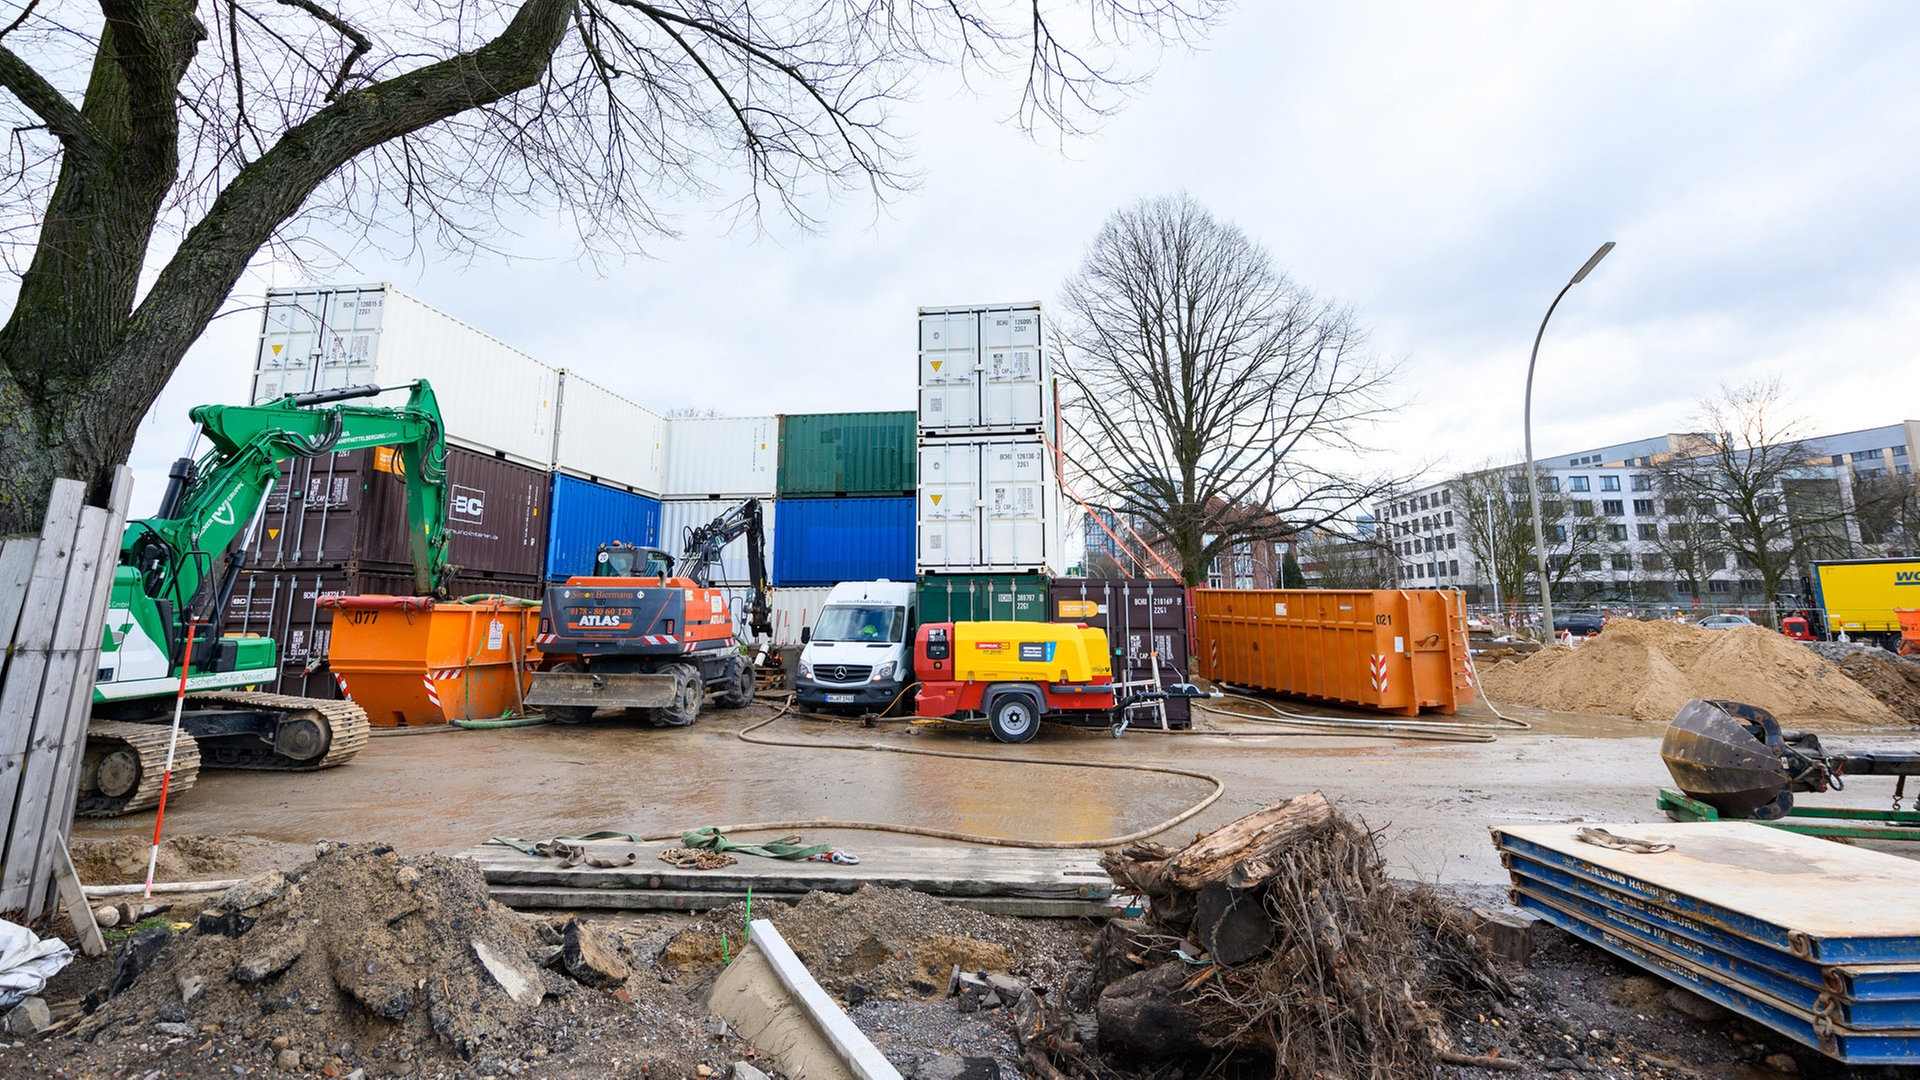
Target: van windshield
point(859, 622)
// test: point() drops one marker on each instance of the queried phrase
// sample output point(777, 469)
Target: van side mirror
point(806, 634)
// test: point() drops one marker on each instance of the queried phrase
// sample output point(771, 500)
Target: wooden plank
point(552, 897)
point(66, 786)
point(74, 895)
point(979, 871)
point(16, 566)
point(862, 1058)
point(26, 673)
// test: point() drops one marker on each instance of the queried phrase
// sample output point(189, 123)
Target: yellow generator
point(1018, 673)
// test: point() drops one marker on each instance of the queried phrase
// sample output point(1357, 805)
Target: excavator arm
point(705, 543)
point(214, 501)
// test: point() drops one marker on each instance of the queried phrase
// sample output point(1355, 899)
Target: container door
point(949, 369)
point(948, 521)
point(318, 339)
point(1014, 390)
point(1019, 512)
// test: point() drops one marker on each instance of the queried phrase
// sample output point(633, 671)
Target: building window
point(1612, 507)
point(1719, 586)
point(1548, 483)
point(1584, 532)
point(1557, 533)
point(1423, 502)
point(1583, 508)
point(1448, 516)
point(1677, 531)
point(1654, 561)
point(1643, 507)
point(1643, 483)
point(1616, 532)
point(1453, 567)
point(1446, 497)
point(1589, 562)
point(1450, 544)
point(1649, 532)
point(1622, 561)
point(1577, 483)
point(1708, 507)
point(1609, 483)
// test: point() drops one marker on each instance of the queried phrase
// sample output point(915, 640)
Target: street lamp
point(1533, 484)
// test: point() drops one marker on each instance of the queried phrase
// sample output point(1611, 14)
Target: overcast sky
point(1441, 167)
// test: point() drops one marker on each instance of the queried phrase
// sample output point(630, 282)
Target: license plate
point(839, 699)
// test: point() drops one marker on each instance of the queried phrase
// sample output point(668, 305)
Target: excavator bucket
point(587, 690)
point(1729, 756)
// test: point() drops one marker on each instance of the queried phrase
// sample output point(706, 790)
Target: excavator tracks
point(131, 760)
point(344, 723)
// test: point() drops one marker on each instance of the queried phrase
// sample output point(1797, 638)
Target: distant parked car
point(1725, 621)
point(1578, 624)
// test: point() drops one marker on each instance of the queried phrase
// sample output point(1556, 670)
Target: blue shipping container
point(584, 515)
point(827, 541)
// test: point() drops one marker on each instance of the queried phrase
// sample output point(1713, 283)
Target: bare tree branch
point(61, 116)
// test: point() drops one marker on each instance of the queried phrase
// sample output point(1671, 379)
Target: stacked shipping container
point(846, 498)
point(989, 489)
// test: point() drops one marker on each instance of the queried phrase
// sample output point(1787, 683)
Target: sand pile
point(1647, 670)
point(123, 860)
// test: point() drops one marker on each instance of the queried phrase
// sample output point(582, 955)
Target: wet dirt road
point(449, 791)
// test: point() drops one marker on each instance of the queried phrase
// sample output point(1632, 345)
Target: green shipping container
point(983, 598)
point(836, 454)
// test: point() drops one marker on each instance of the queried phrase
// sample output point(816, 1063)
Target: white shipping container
point(679, 516)
point(609, 440)
point(984, 369)
point(988, 503)
point(723, 457)
point(796, 608)
point(493, 397)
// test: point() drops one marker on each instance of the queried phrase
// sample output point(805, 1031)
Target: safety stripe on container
point(1379, 673)
point(344, 692)
point(433, 692)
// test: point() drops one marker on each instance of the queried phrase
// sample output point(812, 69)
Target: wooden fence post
point(56, 616)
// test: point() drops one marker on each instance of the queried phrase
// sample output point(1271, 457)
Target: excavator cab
point(628, 561)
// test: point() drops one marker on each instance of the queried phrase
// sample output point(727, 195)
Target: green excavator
point(177, 570)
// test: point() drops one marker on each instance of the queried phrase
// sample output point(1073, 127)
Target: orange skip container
point(1388, 649)
point(413, 661)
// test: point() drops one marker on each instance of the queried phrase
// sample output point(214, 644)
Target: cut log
point(1252, 842)
point(1145, 1015)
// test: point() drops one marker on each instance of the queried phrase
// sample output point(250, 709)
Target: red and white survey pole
point(166, 778)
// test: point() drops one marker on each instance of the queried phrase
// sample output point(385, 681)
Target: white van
point(859, 651)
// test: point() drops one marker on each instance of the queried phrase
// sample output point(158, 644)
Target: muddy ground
point(1578, 1010)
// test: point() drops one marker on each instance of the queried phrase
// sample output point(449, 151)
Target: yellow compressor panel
point(1029, 652)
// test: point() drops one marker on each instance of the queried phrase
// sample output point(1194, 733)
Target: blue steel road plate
point(1819, 900)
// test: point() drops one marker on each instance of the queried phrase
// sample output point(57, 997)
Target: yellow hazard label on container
point(273, 534)
point(936, 363)
point(276, 350)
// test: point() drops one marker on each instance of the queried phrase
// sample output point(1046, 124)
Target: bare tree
point(1759, 478)
point(1219, 401)
point(1692, 539)
point(1888, 509)
point(159, 145)
point(1331, 559)
point(1497, 527)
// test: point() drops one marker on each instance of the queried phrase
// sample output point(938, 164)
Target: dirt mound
point(358, 955)
point(891, 942)
point(1894, 681)
point(1647, 670)
point(123, 861)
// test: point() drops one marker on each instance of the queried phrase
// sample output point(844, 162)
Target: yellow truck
point(1861, 597)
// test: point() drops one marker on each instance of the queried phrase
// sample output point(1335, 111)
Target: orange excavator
point(647, 633)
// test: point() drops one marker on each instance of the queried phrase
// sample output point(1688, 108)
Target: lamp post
point(1533, 484)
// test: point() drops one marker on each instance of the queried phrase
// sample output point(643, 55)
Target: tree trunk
point(80, 365)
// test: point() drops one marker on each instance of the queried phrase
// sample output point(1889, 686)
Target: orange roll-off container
point(1394, 650)
point(412, 660)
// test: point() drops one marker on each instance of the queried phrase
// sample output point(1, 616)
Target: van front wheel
point(1013, 718)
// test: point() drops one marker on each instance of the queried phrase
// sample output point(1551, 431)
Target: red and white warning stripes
point(433, 691)
point(1379, 667)
point(344, 692)
point(545, 639)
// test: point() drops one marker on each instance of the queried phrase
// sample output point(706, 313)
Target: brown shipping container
point(351, 507)
point(283, 605)
point(1141, 616)
point(1397, 651)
